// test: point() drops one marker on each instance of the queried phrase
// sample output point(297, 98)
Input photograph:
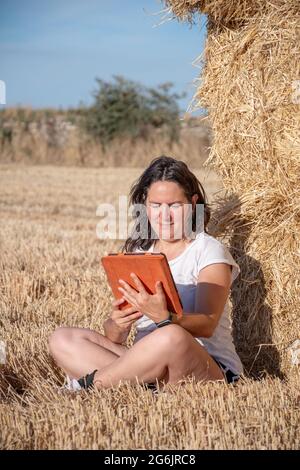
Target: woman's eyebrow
point(169, 203)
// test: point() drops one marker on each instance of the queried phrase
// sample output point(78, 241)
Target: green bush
point(127, 108)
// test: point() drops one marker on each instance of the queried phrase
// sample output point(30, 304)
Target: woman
point(166, 350)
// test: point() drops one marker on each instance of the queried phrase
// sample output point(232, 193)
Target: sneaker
point(72, 385)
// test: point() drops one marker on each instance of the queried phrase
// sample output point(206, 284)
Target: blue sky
point(51, 51)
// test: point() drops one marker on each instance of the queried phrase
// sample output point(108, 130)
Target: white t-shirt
point(185, 268)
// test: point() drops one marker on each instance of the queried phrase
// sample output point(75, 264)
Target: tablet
point(150, 268)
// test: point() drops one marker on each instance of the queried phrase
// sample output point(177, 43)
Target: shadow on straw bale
point(252, 319)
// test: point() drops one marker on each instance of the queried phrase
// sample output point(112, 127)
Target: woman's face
point(168, 209)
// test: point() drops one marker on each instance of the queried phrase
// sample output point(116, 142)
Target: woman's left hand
point(152, 305)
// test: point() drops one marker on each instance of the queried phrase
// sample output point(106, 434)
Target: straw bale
point(250, 84)
point(228, 12)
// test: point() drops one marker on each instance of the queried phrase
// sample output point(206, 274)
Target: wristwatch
point(167, 321)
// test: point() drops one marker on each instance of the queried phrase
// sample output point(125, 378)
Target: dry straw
point(250, 84)
point(50, 277)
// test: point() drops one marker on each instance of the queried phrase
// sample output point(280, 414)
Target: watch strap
point(167, 321)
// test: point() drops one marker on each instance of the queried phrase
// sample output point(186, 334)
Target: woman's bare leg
point(79, 350)
point(168, 354)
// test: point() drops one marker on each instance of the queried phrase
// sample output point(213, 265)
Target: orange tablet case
point(150, 268)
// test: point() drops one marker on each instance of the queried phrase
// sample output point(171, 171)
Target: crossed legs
point(168, 354)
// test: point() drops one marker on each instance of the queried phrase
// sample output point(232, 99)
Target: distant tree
point(127, 108)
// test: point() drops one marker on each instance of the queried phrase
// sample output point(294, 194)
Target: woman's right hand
point(124, 319)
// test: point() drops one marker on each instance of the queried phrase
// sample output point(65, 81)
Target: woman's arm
point(213, 287)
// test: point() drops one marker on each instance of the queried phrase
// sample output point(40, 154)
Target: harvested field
point(50, 276)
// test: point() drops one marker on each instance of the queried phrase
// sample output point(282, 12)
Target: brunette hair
point(165, 168)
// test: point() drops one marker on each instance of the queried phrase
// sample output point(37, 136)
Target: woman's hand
point(152, 305)
point(124, 319)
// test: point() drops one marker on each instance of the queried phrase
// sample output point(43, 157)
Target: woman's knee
point(60, 339)
point(64, 339)
point(172, 337)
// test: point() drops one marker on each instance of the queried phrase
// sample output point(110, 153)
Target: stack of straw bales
point(250, 84)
